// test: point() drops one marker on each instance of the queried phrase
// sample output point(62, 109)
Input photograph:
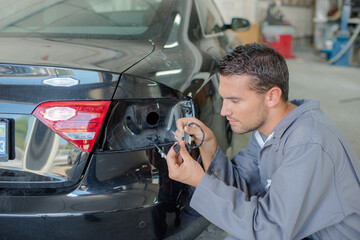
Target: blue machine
point(342, 51)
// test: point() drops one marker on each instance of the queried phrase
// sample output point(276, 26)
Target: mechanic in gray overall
point(298, 177)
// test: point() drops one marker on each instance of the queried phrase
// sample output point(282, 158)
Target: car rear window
point(87, 17)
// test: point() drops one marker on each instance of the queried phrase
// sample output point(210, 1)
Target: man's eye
point(234, 101)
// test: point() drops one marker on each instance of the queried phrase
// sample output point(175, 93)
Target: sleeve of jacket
point(289, 210)
point(242, 172)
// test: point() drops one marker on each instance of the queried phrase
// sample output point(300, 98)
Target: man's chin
point(239, 130)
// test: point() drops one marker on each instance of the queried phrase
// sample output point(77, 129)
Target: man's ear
point(273, 97)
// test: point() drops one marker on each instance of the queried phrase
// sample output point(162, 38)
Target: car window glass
point(210, 18)
point(112, 17)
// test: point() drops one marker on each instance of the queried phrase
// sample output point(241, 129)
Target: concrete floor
point(337, 88)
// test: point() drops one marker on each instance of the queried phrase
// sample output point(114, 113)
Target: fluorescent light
point(168, 72)
point(171, 45)
point(177, 19)
point(61, 82)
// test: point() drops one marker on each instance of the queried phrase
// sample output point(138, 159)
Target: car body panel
point(29, 85)
point(94, 54)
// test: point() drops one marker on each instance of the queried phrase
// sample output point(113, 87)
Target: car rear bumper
point(122, 196)
point(132, 224)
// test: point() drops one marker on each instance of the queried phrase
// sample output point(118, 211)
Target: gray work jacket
point(303, 182)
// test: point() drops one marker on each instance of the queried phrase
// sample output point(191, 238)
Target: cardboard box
point(251, 35)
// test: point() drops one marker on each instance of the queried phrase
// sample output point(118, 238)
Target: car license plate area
point(7, 143)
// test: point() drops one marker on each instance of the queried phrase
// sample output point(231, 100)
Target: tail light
point(78, 122)
point(141, 123)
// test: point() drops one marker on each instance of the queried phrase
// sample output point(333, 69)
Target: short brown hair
point(262, 63)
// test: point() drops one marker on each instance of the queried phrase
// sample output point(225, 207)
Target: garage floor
point(337, 88)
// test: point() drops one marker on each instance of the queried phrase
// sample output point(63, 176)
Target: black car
point(102, 83)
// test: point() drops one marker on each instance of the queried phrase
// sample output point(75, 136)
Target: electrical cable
point(202, 141)
point(189, 147)
point(186, 136)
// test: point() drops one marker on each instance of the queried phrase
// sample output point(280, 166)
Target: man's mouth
point(232, 122)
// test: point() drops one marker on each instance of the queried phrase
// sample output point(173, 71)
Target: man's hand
point(183, 168)
point(209, 146)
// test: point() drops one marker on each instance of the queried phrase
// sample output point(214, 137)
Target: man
point(298, 177)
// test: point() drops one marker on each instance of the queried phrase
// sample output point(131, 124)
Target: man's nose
point(225, 109)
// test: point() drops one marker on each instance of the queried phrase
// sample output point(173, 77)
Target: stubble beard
point(253, 124)
point(249, 128)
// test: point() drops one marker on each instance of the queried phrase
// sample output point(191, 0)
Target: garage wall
point(238, 8)
point(300, 15)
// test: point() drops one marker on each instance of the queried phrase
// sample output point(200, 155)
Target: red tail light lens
point(79, 122)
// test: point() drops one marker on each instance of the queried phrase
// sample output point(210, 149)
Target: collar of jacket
point(303, 106)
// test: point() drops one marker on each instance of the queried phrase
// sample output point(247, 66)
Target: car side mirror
point(238, 24)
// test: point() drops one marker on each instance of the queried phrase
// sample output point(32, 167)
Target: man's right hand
point(208, 147)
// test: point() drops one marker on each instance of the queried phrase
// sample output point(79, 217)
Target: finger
point(171, 159)
point(192, 130)
point(171, 153)
point(184, 153)
point(180, 123)
point(179, 159)
point(178, 135)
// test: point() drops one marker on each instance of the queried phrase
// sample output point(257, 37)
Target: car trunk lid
point(34, 72)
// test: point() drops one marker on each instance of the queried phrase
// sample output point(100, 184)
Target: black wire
point(202, 141)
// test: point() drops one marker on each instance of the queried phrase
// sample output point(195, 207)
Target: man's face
point(243, 107)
